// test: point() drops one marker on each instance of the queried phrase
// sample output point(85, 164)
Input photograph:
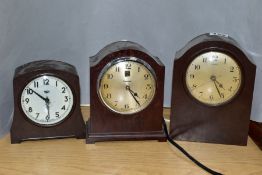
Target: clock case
point(255, 132)
point(106, 125)
point(23, 128)
point(192, 120)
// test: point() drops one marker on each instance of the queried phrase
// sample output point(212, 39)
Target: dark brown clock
point(255, 132)
point(46, 102)
point(213, 82)
point(126, 88)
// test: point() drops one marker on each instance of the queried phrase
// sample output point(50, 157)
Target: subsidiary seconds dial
point(213, 78)
point(47, 100)
point(127, 86)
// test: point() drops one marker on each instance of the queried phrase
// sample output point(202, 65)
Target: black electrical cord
point(186, 153)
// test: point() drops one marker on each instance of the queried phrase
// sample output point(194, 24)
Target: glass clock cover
point(47, 100)
point(127, 85)
point(213, 78)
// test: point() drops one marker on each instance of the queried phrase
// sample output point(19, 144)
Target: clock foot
point(162, 140)
point(15, 141)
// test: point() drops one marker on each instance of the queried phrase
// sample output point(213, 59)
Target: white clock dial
point(47, 100)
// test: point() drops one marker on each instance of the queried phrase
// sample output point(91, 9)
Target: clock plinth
point(126, 88)
point(216, 108)
point(46, 102)
point(96, 137)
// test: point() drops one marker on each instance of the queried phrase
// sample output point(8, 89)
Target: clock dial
point(127, 86)
point(47, 100)
point(213, 78)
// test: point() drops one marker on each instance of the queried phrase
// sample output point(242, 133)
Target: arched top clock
point(126, 87)
point(213, 82)
point(46, 102)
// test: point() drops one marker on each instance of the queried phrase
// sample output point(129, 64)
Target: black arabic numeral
point(35, 84)
point(57, 114)
point(66, 98)
point(63, 89)
point(37, 114)
point(63, 107)
point(46, 81)
point(29, 91)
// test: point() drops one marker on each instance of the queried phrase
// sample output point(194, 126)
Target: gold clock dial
point(213, 78)
point(127, 86)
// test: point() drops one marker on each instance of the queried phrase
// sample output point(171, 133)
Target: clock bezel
point(220, 50)
point(35, 77)
point(116, 61)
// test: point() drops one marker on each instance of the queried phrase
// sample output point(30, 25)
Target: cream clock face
point(47, 100)
point(213, 78)
point(127, 86)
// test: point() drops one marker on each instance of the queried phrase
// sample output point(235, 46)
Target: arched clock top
point(45, 65)
point(121, 46)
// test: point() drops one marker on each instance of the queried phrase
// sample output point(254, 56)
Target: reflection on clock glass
point(47, 100)
point(213, 78)
point(127, 86)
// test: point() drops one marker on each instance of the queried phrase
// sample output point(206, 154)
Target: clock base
point(23, 130)
point(91, 138)
point(20, 140)
point(255, 132)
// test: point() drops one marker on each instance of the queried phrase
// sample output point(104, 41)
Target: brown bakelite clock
point(46, 102)
point(213, 82)
point(126, 88)
point(255, 132)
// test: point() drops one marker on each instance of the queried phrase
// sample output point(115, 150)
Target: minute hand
point(217, 89)
point(132, 93)
point(134, 98)
point(45, 99)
